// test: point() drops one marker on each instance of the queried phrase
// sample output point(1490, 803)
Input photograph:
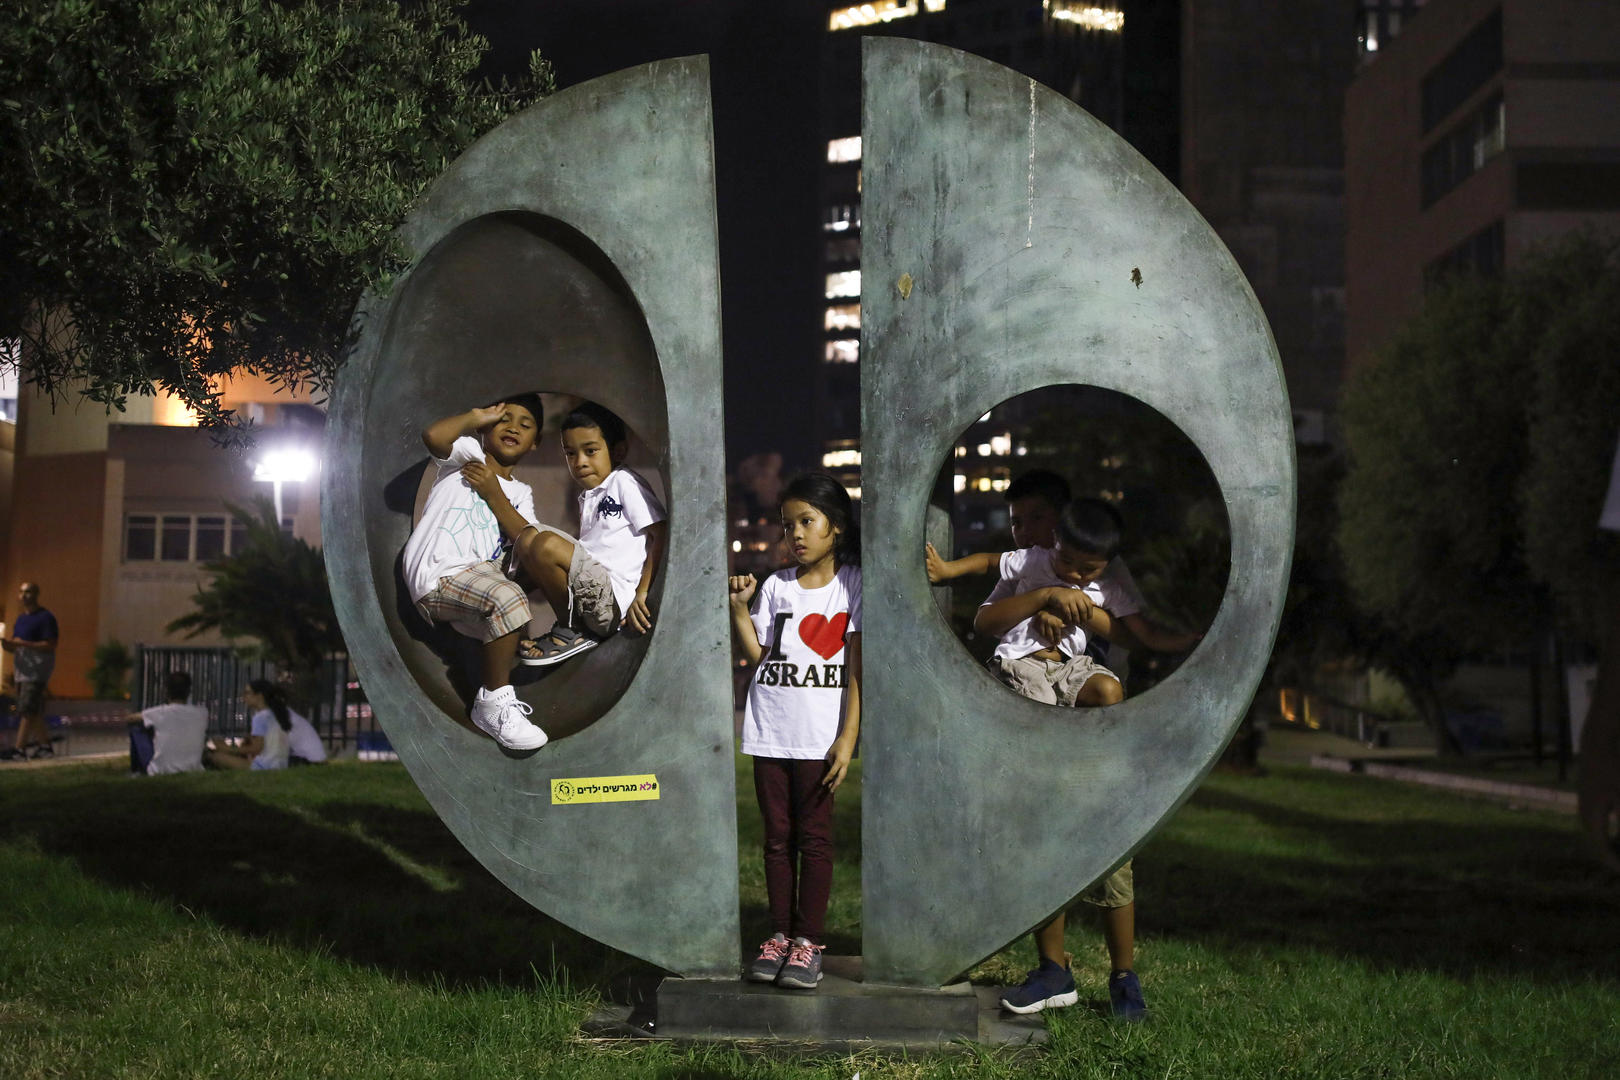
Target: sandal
point(559, 644)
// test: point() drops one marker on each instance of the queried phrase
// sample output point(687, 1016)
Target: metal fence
point(218, 676)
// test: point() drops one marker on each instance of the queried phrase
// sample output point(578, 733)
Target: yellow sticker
point(591, 789)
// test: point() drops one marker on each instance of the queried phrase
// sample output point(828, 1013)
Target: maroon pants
point(798, 843)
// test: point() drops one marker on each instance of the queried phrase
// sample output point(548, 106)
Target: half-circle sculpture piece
point(572, 250)
point(1010, 241)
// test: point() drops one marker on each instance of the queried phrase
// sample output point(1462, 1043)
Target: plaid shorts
point(478, 600)
point(30, 697)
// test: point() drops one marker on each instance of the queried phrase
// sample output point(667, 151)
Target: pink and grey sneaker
point(768, 964)
point(803, 968)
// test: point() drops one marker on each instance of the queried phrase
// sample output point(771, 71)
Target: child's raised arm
point(440, 435)
point(939, 569)
point(744, 638)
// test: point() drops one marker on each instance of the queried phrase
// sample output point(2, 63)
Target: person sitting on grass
point(168, 738)
point(278, 737)
point(1050, 601)
point(598, 583)
point(452, 561)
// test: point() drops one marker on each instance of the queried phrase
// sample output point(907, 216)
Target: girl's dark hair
point(824, 492)
point(590, 414)
point(1091, 526)
point(275, 698)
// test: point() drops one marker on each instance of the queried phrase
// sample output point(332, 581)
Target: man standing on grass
point(33, 643)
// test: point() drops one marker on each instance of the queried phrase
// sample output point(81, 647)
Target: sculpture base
point(842, 1013)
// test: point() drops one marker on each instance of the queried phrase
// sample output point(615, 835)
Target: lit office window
point(842, 150)
point(958, 483)
point(844, 351)
point(843, 283)
point(878, 11)
point(841, 218)
point(844, 317)
point(841, 459)
point(1088, 16)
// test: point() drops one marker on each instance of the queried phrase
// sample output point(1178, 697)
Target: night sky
point(765, 71)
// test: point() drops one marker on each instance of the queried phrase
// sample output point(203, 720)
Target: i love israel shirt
point(796, 700)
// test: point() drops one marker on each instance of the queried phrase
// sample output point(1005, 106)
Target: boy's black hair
point(1044, 483)
point(1091, 526)
point(177, 685)
point(590, 414)
point(530, 401)
point(824, 492)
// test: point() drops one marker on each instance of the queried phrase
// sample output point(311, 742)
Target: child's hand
point(742, 590)
point(484, 417)
point(1048, 627)
point(838, 758)
point(639, 617)
point(934, 565)
point(482, 479)
point(1070, 605)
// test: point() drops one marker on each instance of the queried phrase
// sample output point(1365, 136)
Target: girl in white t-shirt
point(803, 714)
point(277, 736)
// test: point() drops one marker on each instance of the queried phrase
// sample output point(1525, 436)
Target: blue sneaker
point(1049, 986)
point(1125, 994)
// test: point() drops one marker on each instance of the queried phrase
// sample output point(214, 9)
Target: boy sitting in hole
point(452, 561)
point(598, 583)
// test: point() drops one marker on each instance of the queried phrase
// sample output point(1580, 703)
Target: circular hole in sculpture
point(1127, 470)
point(505, 305)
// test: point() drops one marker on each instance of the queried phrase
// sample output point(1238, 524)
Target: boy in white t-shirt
point(169, 738)
point(598, 583)
point(452, 561)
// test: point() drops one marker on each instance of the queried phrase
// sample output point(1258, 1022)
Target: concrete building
point(1262, 158)
point(114, 515)
point(1487, 127)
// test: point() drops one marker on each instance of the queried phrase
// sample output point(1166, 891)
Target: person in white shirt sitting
point(168, 738)
point(277, 737)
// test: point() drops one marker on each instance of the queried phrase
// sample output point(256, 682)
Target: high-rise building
point(1488, 127)
point(1079, 49)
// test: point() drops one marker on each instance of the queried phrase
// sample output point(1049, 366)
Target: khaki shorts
point(1052, 682)
point(1117, 890)
point(591, 606)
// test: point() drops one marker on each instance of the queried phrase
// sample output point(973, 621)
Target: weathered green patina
point(572, 250)
point(1010, 242)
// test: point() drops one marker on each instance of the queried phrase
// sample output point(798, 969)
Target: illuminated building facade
point(1083, 50)
point(1488, 127)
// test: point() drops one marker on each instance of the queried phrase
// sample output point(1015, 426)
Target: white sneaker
point(506, 719)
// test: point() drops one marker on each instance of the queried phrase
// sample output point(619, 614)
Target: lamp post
point(288, 464)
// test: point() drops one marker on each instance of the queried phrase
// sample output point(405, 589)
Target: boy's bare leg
point(1099, 690)
point(499, 656)
point(1049, 941)
point(1119, 934)
point(546, 557)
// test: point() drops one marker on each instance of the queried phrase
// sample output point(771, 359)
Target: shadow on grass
point(1411, 894)
point(378, 885)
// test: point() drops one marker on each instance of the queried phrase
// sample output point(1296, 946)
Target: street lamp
point(287, 464)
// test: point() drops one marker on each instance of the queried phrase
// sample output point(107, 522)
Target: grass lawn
point(321, 922)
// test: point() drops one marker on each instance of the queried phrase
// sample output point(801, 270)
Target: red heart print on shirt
point(824, 636)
